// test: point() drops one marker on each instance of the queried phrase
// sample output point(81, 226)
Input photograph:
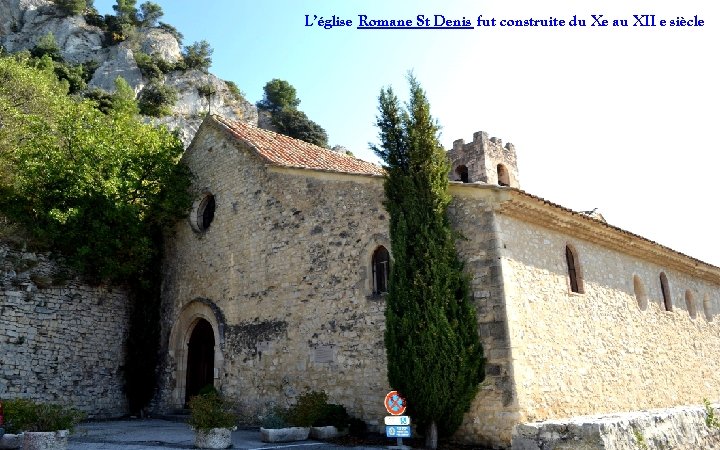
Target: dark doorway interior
point(200, 360)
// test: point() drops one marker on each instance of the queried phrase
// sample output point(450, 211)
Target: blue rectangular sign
point(397, 431)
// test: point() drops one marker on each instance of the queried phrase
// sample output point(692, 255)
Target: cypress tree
point(435, 359)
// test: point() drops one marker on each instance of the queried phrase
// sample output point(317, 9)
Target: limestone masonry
point(274, 286)
point(61, 341)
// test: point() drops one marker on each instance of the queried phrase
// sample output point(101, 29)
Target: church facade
point(275, 285)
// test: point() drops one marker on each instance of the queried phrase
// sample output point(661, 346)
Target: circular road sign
point(395, 404)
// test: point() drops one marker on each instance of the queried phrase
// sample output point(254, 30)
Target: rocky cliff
point(24, 22)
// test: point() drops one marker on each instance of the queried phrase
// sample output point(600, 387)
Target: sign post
point(396, 425)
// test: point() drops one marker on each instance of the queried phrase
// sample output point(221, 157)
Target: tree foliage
point(150, 13)
point(280, 99)
point(72, 7)
point(278, 95)
point(198, 56)
point(157, 99)
point(434, 355)
point(126, 11)
point(296, 124)
point(90, 185)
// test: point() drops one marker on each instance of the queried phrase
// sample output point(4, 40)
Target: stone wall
point(283, 274)
point(681, 428)
point(603, 351)
point(61, 340)
point(494, 411)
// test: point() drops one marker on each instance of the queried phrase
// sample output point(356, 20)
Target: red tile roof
point(285, 151)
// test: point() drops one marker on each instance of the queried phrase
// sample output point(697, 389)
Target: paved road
point(157, 434)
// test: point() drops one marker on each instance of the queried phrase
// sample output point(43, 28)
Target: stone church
point(275, 285)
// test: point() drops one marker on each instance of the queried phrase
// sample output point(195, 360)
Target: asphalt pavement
point(156, 434)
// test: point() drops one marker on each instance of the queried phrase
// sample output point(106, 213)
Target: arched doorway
point(200, 359)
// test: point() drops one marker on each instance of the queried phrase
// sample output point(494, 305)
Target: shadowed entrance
point(200, 359)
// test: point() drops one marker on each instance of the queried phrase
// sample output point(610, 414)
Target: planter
point(327, 432)
point(213, 438)
point(284, 434)
point(46, 440)
point(11, 441)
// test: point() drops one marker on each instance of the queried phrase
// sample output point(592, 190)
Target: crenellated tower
point(484, 160)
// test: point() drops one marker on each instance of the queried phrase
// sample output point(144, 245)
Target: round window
point(204, 213)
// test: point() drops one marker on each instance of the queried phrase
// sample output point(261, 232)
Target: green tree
point(126, 11)
point(47, 45)
point(97, 188)
point(435, 359)
point(157, 99)
point(296, 124)
point(278, 95)
point(150, 13)
point(198, 56)
point(72, 7)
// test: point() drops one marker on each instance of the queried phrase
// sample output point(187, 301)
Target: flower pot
point(284, 434)
point(11, 441)
point(45, 440)
point(213, 438)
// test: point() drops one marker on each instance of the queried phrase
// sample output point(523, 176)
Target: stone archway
point(200, 370)
point(196, 342)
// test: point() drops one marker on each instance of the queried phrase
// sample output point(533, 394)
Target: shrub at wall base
point(212, 420)
point(44, 426)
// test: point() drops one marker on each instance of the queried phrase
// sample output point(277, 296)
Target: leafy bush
point(198, 56)
point(358, 427)
point(26, 415)
point(210, 411)
point(234, 90)
point(71, 7)
point(295, 123)
point(333, 415)
point(309, 408)
point(275, 419)
point(156, 100)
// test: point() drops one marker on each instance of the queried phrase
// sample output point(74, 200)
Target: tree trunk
point(431, 436)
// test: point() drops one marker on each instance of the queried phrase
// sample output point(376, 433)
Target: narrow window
point(640, 293)
point(707, 308)
point(381, 270)
point(576, 284)
point(462, 173)
point(206, 212)
point(665, 291)
point(690, 302)
point(503, 175)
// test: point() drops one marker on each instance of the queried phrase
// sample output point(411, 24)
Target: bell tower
point(484, 160)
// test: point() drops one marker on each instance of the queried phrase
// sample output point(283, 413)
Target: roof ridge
point(281, 150)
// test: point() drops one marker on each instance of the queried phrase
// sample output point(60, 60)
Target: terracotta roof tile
point(285, 151)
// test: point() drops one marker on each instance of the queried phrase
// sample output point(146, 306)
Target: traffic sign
point(398, 431)
point(394, 404)
point(397, 420)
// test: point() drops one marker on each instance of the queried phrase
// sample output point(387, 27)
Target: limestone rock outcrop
point(24, 22)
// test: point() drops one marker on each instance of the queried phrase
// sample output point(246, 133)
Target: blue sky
point(617, 118)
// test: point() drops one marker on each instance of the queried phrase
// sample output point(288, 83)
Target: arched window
point(707, 308)
point(690, 302)
point(503, 175)
point(640, 293)
point(574, 272)
point(665, 291)
point(462, 173)
point(381, 270)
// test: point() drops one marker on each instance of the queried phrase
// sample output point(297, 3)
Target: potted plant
point(212, 420)
point(275, 428)
point(45, 426)
point(332, 423)
point(311, 414)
